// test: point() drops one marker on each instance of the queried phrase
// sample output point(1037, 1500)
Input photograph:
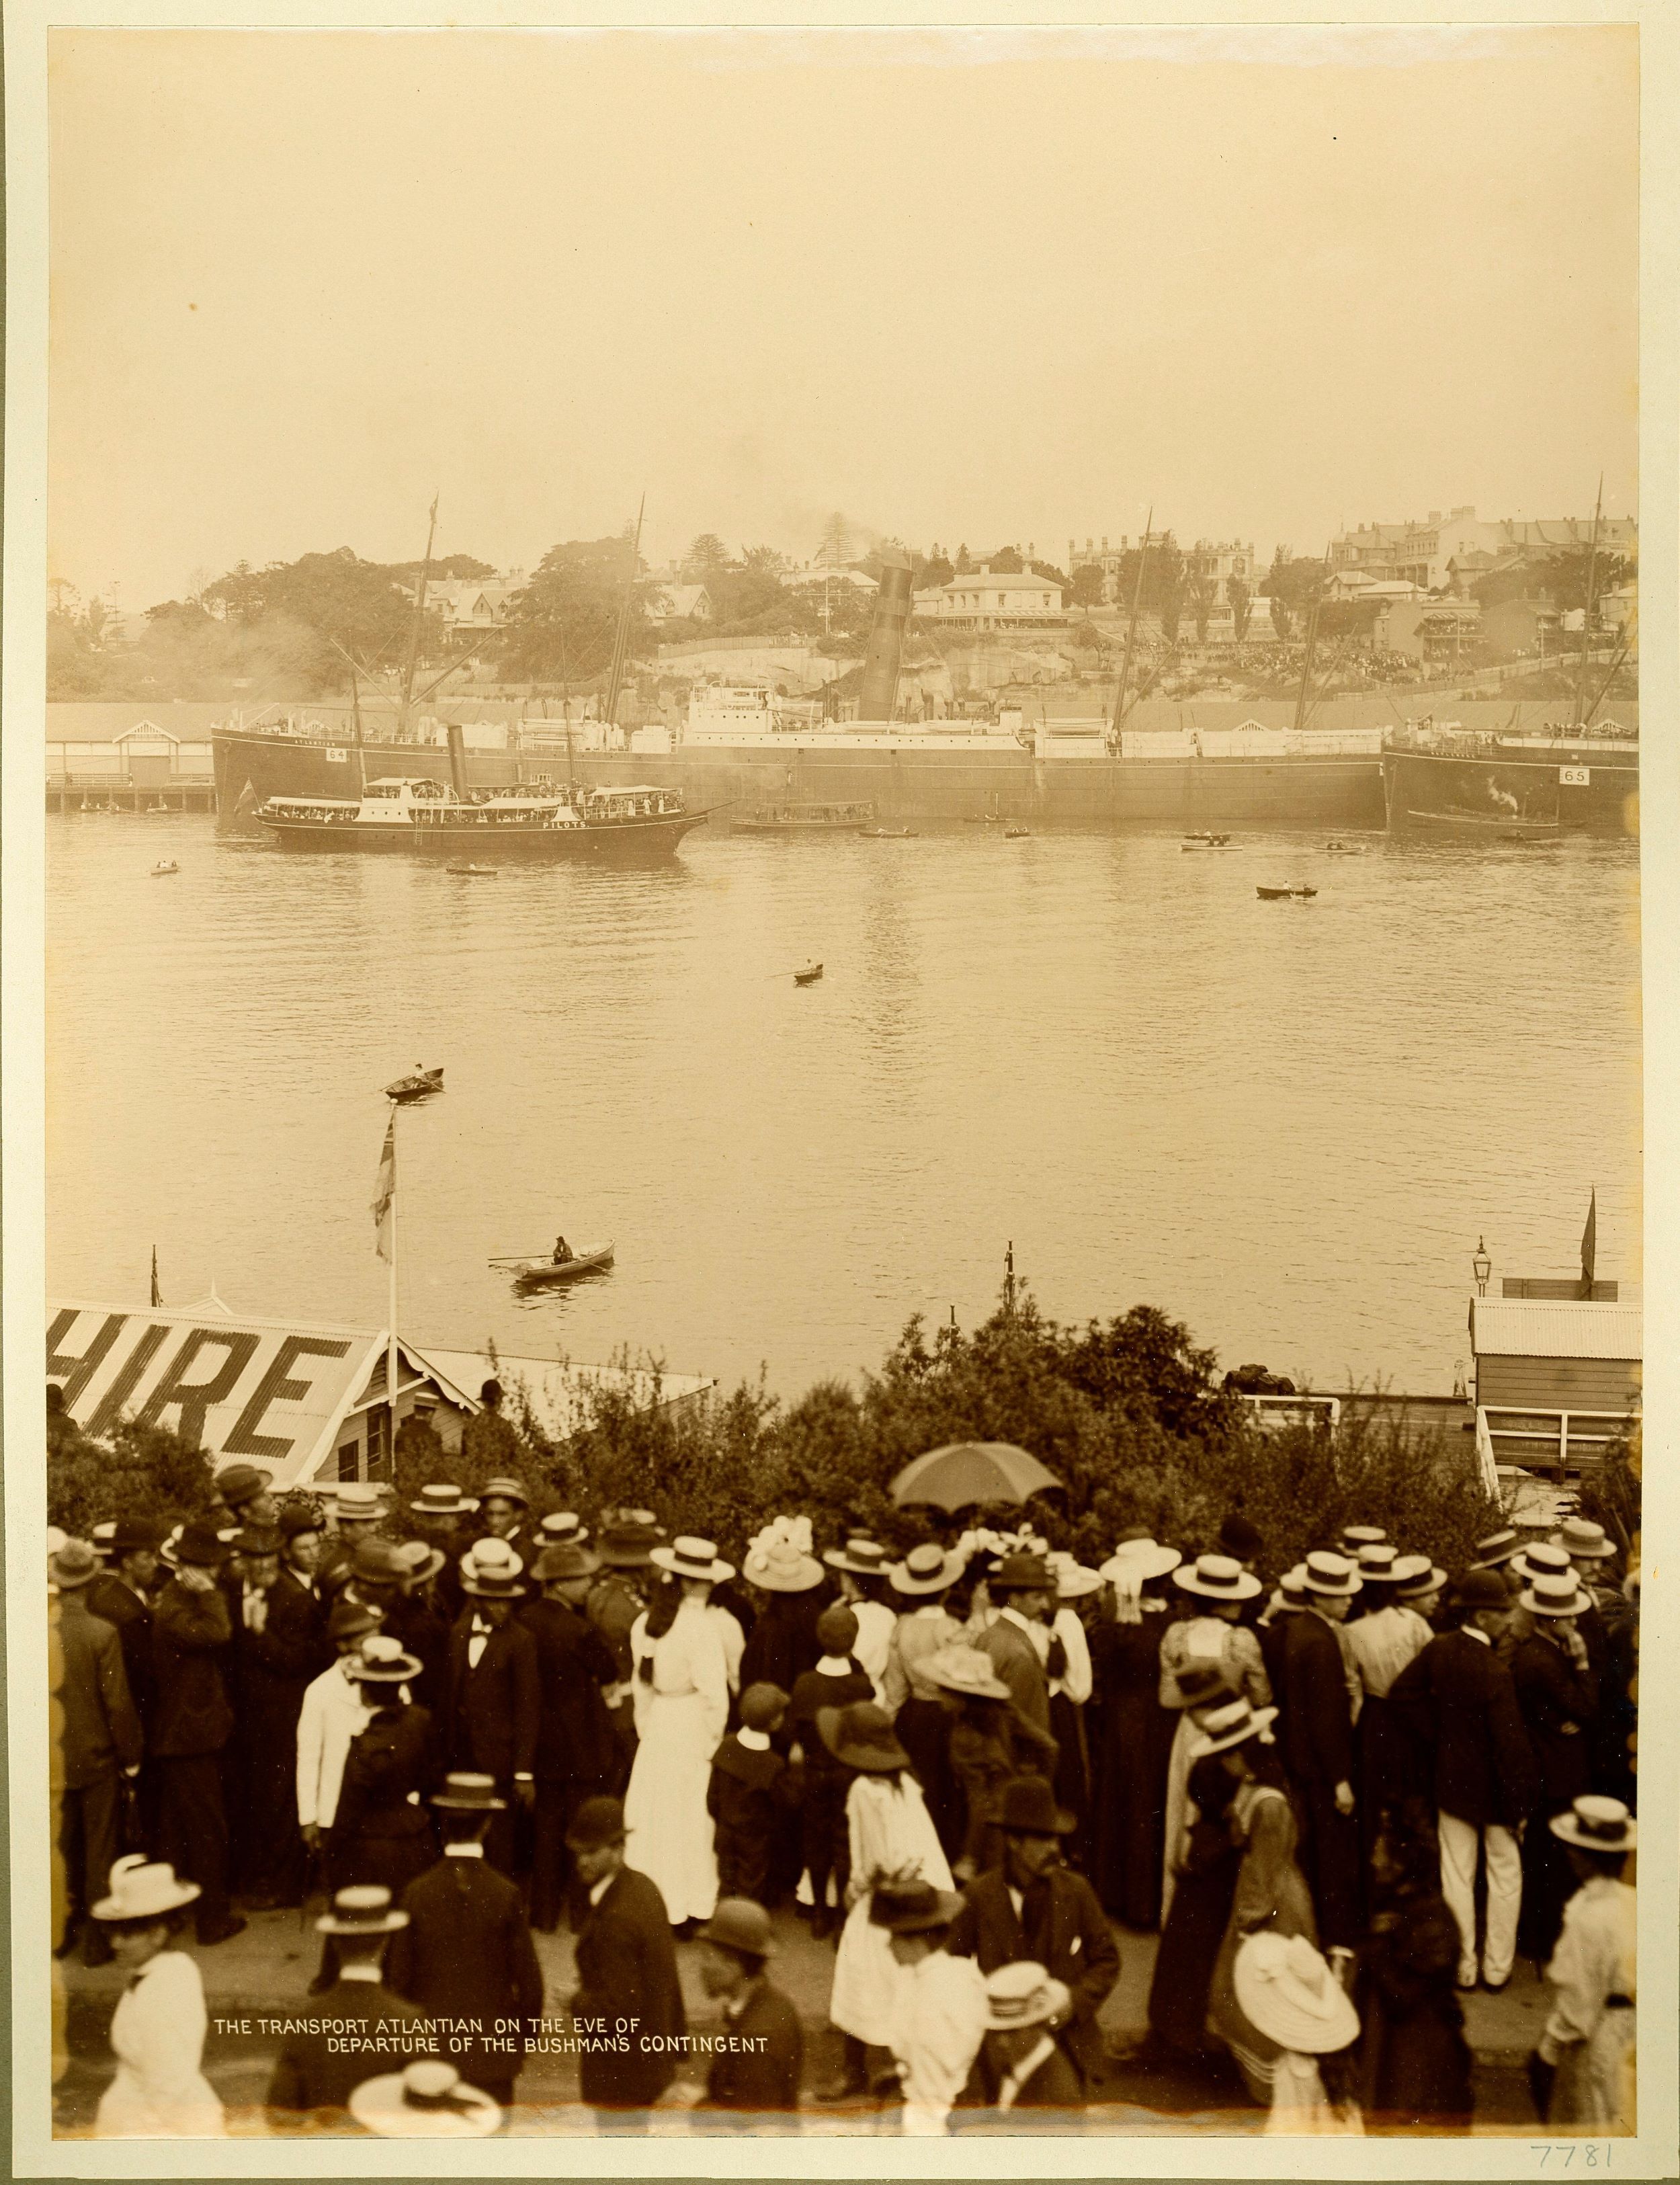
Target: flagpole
point(391, 1308)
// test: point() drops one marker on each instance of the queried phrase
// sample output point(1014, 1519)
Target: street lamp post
point(1481, 1267)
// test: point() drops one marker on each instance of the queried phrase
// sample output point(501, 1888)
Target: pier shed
point(1558, 1380)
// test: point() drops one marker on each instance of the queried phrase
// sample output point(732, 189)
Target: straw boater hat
point(1559, 1594)
point(911, 1906)
point(365, 1909)
point(627, 1538)
point(74, 1565)
point(1022, 1993)
point(739, 1923)
point(964, 1670)
point(1585, 1539)
point(564, 1560)
point(1355, 1537)
point(1142, 1556)
point(1331, 1576)
point(690, 1557)
point(1292, 1587)
point(1224, 1728)
point(442, 1498)
point(1376, 1561)
point(1497, 1548)
point(492, 1569)
point(419, 1561)
point(1415, 1577)
point(469, 1794)
point(508, 1489)
point(354, 1499)
point(1596, 1824)
point(561, 1527)
point(861, 1736)
point(383, 1661)
point(1217, 1578)
point(426, 2100)
point(143, 1889)
point(1074, 1582)
point(864, 1558)
point(927, 1568)
point(1286, 1992)
point(1540, 1559)
point(780, 1566)
point(102, 1537)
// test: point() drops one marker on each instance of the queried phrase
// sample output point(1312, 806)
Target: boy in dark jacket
point(750, 1796)
point(837, 1681)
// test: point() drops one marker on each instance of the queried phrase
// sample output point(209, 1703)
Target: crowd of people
point(1344, 1795)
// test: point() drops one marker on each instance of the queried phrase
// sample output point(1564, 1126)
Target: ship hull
point(1573, 790)
point(601, 844)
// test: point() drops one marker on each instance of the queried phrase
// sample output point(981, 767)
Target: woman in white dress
point(158, 2033)
point(680, 1686)
point(1205, 1652)
point(892, 1834)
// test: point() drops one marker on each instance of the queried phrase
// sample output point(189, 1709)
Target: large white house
point(989, 599)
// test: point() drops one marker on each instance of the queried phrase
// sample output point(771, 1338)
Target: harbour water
point(1286, 1124)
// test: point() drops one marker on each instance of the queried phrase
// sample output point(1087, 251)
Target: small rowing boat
point(888, 834)
point(418, 1085)
point(547, 1274)
point(1016, 834)
point(1345, 849)
point(1205, 842)
point(165, 866)
point(808, 976)
point(1278, 894)
point(475, 872)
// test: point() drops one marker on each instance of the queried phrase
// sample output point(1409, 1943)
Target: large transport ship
point(1581, 781)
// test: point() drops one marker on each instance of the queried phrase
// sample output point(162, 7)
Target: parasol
point(971, 1471)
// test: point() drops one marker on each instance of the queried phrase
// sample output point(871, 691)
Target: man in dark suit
point(627, 1968)
point(1557, 1693)
point(100, 1742)
point(315, 2072)
point(577, 1748)
point(1026, 1590)
point(1022, 2065)
point(121, 1595)
point(759, 2072)
point(466, 1953)
point(1456, 1705)
point(1318, 1744)
point(192, 1721)
point(493, 1705)
point(275, 1657)
point(1033, 1908)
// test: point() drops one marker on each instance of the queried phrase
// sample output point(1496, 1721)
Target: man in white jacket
point(332, 1717)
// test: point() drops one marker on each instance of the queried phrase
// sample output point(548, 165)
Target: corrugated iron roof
point(1531, 1328)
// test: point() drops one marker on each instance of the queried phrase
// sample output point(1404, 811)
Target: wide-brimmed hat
point(1333, 1577)
point(964, 1670)
point(1286, 1992)
point(562, 1529)
point(1540, 1559)
point(1496, 1548)
point(1023, 1574)
point(1414, 1576)
point(1027, 1807)
point(347, 1618)
point(201, 1545)
point(1355, 1537)
point(564, 1559)
point(143, 1889)
point(597, 1823)
point(469, 1794)
point(426, 2100)
point(419, 1561)
point(128, 1535)
point(862, 1736)
point(739, 1923)
point(911, 1906)
point(690, 1557)
point(355, 1499)
point(1143, 1557)
point(509, 1489)
point(378, 1562)
point(779, 1567)
point(627, 1538)
point(1073, 1581)
point(1217, 1578)
point(239, 1483)
point(384, 1661)
point(866, 1558)
point(1596, 1823)
point(1561, 1593)
point(1585, 1538)
point(442, 1498)
point(364, 1909)
point(74, 1565)
point(493, 1570)
point(1481, 1587)
point(927, 1568)
point(1022, 1993)
point(1224, 1728)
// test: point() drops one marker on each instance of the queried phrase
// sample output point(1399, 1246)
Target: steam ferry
point(404, 814)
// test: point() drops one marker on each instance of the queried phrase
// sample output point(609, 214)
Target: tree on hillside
point(762, 561)
point(929, 572)
point(358, 605)
point(561, 627)
point(1241, 606)
point(836, 549)
point(1088, 586)
point(1005, 561)
point(963, 567)
point(1201, 591)
point(1166, 581)
point(1275, 586)
point(466, 566)
point(707, 558)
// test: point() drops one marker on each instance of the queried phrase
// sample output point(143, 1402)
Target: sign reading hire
point(259, 1392)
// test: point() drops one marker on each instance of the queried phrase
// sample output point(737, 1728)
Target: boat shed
point(303, 1401)
point(1557, 1380)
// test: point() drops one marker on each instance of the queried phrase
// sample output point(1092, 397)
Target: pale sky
point(973, 288)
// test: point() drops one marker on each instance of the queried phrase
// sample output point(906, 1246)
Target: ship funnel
point(457, 760)
point(878, 694)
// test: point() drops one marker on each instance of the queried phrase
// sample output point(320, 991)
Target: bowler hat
point(861, 1736)
point(201, 1545)
point(597, 1823)
point(239, 1483)
point(1022, 1574)
point(364, 1909)
point(565, 1560)
point(1238, 1536)
point(258, 1540)
point(131, 1534)
point(1479, 1588)
point(469, 1794)
point(348, 1619)
point(298, 1517)
point(911, 1907)
point(739, 1923)
point(442, 1498)
point(1027, 1807)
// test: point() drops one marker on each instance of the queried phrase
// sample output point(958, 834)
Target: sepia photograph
point(842, 1099)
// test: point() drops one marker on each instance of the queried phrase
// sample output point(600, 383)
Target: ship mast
point(616, 680)
point(1131, 627)
point(419, 623)
point(1592, 600)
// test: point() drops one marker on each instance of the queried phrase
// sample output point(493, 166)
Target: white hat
point(1414, 1576)
point(1022, 1993)
point(491, 1567)
point(143, 1889)
point(1142, 1560)
point(353, 1498)
point(1596, 1824)
point(428, 2100)
point(1286, 1992)
point(1585, 1538)
point(1074, 1582)
point(1555, 1594)
point(563, 1525)
point(1331, 1574)
point(1217, 1577)
point(689, 1556)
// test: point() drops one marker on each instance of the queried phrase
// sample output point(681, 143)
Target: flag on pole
point(1589, 1245)
point(385, 1190)
point(157, 1295)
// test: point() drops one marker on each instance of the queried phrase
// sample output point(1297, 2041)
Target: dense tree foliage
point(562, 626)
